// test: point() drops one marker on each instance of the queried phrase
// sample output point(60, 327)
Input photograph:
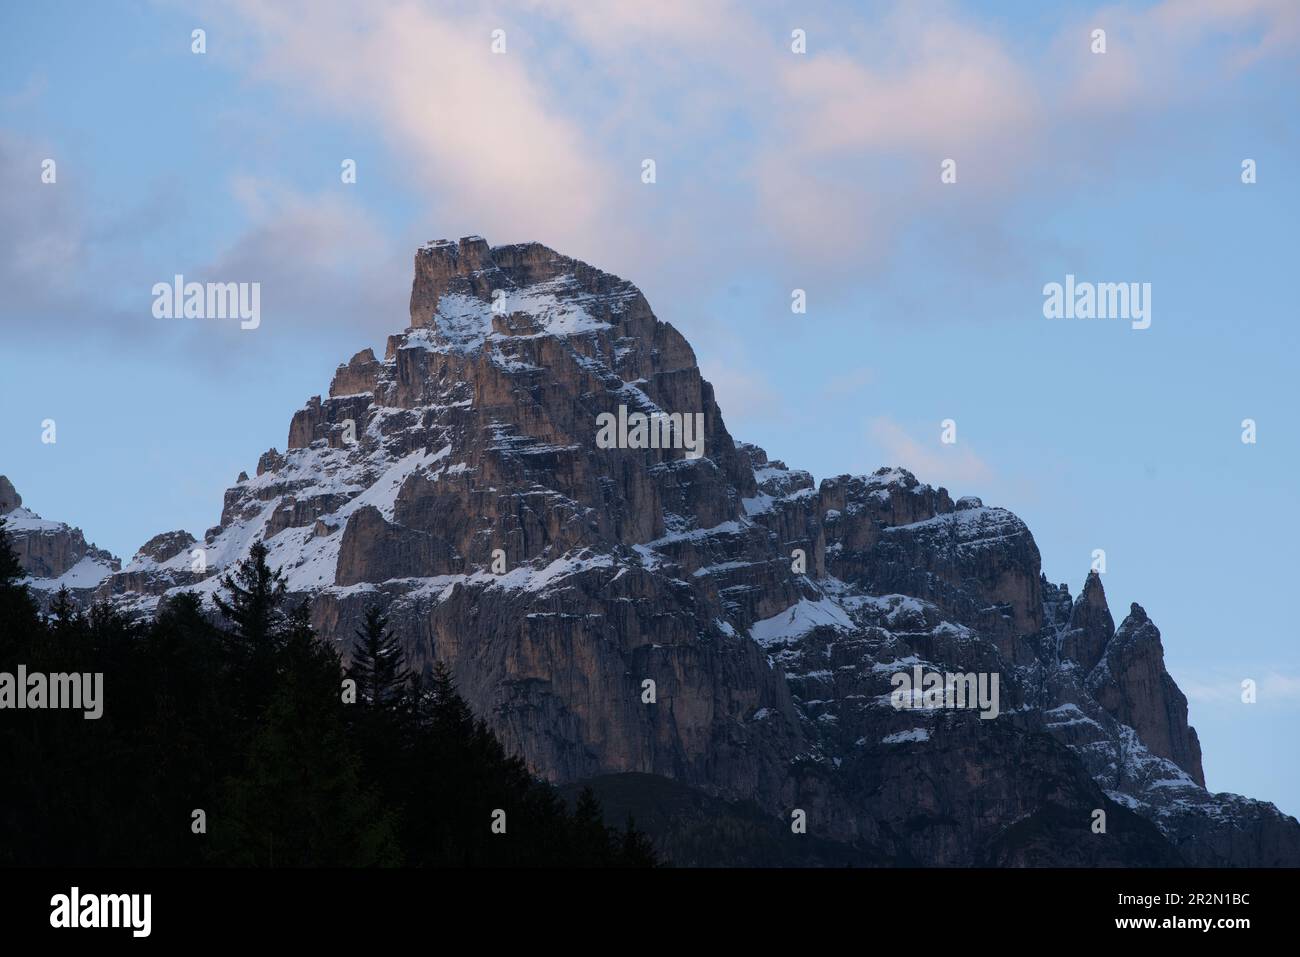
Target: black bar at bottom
point(336, 907)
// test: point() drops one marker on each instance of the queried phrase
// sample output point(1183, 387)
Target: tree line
point(241, 739)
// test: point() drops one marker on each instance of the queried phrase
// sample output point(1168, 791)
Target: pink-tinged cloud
point(856, 149)
point(840, 154)
point(954, 88)
point(476, 128)
point(619, 26)
point(1174, 50)
point(931, 461)
point(1259, 29)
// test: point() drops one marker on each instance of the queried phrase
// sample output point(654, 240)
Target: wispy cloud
point(930, 461)
point(827, 163)
point(1271, 687)
point(41, 232)
point(743, 395)
point(478, 131)
point(1169, 51)
point(324, 265)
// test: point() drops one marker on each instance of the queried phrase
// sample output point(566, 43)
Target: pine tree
point(378, 665)
point(17, 611)
point(446, 707)
point(303, 798)
point(63, 610)
point(11, 572)
point(245, 719)
point(256, 593)
point(180, 617)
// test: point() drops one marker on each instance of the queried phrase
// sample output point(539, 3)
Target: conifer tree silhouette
point(256, 593)
point(378, 665)
point(17, 610)
point(254, 608)
point(244, 718)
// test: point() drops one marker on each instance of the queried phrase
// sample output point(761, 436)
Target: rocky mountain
point(53, 554)
point(706, 615)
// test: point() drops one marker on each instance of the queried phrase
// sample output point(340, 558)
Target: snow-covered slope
point(55, 555)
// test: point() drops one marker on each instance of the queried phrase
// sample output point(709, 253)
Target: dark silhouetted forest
point(242, 715)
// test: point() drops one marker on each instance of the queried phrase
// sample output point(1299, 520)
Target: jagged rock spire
point(1091, 626)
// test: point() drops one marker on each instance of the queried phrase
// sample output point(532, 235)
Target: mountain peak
point(1132, 683)
point(1090, 627)
point(465, 485)
point(1094, 593)
point(467, 293)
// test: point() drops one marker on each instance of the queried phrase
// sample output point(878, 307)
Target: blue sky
point(775, 171)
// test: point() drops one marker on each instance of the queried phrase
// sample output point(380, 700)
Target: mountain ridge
point(458, 484)
point(54, 554)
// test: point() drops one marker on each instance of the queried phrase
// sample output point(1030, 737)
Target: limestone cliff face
point(720, 619)
point(1132, 684)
